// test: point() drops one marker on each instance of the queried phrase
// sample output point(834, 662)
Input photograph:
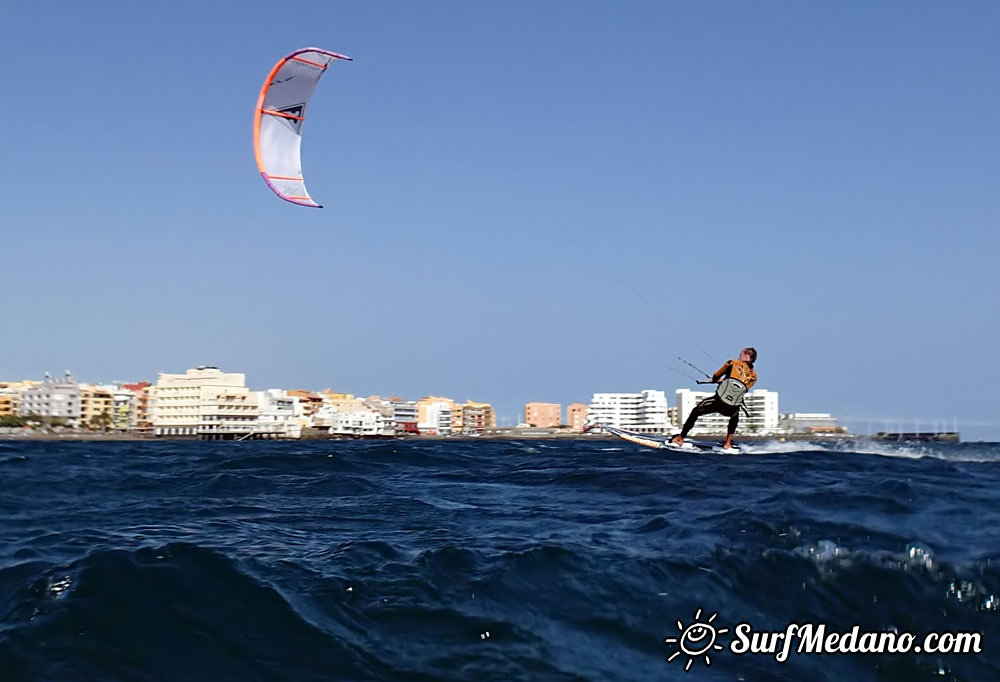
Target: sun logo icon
point(696, 640)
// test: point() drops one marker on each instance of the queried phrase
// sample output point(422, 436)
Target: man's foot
point(677, 440)
point(728, 444)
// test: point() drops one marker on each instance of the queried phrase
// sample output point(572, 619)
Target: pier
point(917, 436)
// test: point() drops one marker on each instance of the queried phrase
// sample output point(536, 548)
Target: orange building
point(143, 418)
point(576, 416)
point(542, 415)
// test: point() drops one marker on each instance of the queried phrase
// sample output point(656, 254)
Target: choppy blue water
point(393, 560)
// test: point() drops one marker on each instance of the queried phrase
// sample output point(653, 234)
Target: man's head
point(748, 355)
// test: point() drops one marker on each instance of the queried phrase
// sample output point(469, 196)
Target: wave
point(180, 610)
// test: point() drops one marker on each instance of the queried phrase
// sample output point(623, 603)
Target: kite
point(278, 120)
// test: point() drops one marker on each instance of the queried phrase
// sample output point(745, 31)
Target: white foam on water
point(778, 447)
point(986, 452)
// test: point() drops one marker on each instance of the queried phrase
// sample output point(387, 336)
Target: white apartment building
point(437, 418)
point(323, 417)
point(405, 413)
point(124, 413)
point(53, 399)
point(280, 415)
point(362, 423)
point(761, 404)
point(203, 401)
point(763, 407)
point(371, 416)
point(644, 412)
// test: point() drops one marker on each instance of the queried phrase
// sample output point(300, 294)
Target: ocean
point(490, 560)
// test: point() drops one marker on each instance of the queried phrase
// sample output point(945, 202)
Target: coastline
point(533, 434)
point(502, 434)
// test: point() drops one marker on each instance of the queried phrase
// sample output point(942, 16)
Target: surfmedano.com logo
point(699, 639)
point(696, 640)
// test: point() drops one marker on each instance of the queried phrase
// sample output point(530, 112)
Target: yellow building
point(457, 418)
point(96, 407)
point(333, 395)
point(10, 396)
point(478, 417)
point(8, 399)
point(343, 402)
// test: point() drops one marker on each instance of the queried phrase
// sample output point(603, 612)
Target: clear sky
point(524, 200)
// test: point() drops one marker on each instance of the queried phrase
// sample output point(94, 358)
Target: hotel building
point(203, 401)
point(644, 412)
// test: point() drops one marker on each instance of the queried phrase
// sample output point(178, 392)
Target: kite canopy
point(278, 120)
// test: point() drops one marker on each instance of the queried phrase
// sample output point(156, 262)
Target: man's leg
point(702, 408)
point(734, 421)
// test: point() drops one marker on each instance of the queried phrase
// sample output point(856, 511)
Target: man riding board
point(735, 378)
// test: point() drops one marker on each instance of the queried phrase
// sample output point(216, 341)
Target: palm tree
point(100, 422)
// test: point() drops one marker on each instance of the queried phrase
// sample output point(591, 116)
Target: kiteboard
point(663, 442)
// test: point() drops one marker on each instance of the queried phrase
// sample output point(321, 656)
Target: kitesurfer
point(735, 378)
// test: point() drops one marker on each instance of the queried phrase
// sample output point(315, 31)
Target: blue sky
point(524, 201)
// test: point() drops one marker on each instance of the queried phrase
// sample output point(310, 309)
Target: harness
point(731, 391)
point(739, 377)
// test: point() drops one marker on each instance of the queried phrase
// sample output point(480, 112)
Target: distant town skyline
point(506, 420)
point(208, 403)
